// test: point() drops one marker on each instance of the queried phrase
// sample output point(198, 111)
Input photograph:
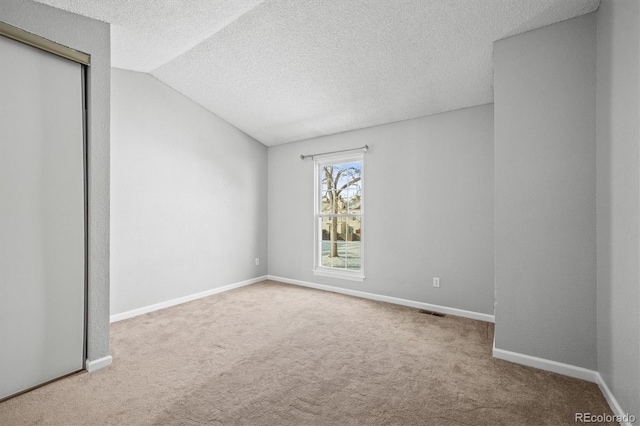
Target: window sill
point(351, 276)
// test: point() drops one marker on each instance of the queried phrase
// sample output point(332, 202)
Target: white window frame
point(318, 269)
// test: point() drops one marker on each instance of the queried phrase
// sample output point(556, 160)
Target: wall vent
point(435, 314)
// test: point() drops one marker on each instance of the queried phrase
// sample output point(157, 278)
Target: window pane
point(352, 252)
point(324, 259)
point(326, 204)
point(353, 229)
point(339, 261)
point(325, 227)
point(354, 204)
point(347, 174)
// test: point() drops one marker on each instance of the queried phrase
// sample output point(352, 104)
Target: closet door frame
point(84, 59)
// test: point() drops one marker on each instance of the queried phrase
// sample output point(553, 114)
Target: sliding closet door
point(42, 224)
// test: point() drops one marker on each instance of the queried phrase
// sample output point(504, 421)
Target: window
point(339, 217)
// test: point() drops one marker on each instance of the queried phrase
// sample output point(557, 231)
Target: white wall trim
point(566, 370)
point(146, 309)
point(613, 402)
point(389, 299)
point(340, 275)
point(546, 364)
point(97, 364)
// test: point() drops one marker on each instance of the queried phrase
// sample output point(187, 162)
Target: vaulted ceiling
point(288, 70)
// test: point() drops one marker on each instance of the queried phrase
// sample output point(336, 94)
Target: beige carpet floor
point(276, 354)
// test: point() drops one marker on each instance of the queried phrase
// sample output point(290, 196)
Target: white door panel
point(41, 217)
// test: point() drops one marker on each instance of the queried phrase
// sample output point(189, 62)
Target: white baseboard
point(184, 299)
point(566, 370)
point(97, 364)
point(389, 299)
point(546, 364)
point(613, 402)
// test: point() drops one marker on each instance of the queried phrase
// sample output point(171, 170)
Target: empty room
point(319, 212)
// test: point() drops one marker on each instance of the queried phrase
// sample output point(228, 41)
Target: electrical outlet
point(257, 261)
point(436, 282)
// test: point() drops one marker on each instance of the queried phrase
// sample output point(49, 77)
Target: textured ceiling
point(287, 70)
point(147, 34)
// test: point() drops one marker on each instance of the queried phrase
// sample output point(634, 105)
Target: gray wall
point(91, 37)
point(618, 141)
point(429, 209)
point(545, 171)
point(189, 203)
